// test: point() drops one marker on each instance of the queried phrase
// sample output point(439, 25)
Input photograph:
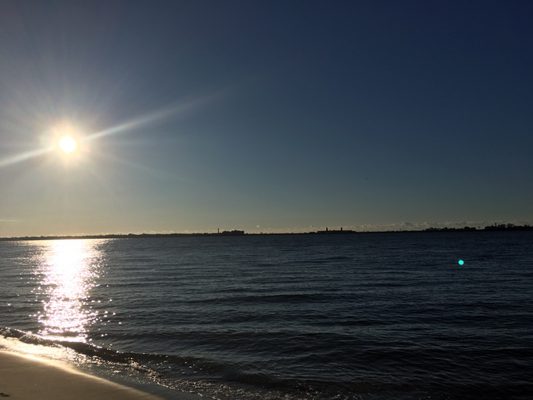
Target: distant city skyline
point(189, 116)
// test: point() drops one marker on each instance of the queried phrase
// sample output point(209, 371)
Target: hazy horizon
point(401, 227)
point(264, 116)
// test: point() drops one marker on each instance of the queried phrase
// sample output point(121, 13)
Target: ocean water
point(364, 316)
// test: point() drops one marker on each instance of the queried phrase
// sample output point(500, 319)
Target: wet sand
point(29, 378)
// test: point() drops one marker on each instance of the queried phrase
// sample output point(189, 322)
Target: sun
point(67, 144)
point(66, 139)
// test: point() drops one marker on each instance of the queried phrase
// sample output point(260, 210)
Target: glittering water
point(66, 272)
point(373, 316)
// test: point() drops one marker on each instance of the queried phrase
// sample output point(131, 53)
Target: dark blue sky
point(266, 116)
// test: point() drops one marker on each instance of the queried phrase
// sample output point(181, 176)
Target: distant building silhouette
point(336, 231)
point(234, 232)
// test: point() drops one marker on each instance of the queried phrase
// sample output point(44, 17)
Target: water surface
point(365, 316)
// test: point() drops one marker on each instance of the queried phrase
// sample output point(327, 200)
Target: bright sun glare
point(67, 144)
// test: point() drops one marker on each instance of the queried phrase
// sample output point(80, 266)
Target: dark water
point(367, 316)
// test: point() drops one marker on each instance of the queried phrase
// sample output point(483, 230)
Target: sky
point(267, 116)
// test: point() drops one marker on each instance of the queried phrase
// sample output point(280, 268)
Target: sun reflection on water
point(68, 271)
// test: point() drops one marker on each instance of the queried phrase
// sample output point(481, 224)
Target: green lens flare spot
point(461, 262)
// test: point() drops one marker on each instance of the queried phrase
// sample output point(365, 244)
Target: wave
point(207, 376)
point(195, 373)
point(142, 361)
point(80, 347)
point(266, 298)
point(106, 354)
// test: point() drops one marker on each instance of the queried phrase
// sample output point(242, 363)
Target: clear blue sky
point(265, 115)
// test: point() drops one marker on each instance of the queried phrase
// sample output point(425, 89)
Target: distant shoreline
point(334, 232)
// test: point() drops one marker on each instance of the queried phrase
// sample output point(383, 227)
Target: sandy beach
point(29, 378)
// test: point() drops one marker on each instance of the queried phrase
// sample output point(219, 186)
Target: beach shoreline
point(27, 377)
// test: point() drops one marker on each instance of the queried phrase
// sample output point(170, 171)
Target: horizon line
point(236, 232)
